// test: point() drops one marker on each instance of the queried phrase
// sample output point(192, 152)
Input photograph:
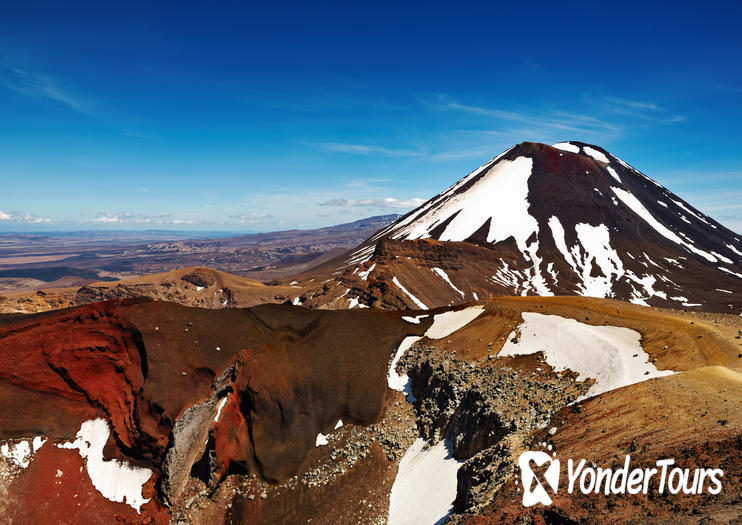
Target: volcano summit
point(568, 219)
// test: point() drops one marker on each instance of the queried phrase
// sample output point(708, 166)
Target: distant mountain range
point(115, 254)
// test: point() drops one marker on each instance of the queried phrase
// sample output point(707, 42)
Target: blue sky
point(252, 117)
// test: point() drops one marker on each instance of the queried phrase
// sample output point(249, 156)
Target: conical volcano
point(568, 219)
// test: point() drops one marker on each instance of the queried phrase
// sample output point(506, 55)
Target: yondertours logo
point(540, 473)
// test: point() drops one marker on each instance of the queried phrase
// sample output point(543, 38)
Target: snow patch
point(443, 325)
point(500, 196)
point(684, 207)
point(735, 250)
point(613, 173)
point(321, 440)
point(448, 322)
point(731, 272)
point(597, 155)
point(415, 300)
point(647, 283)
point(425, 486)
point(414, 320)
point(597, 249)
point(603, 353)
point(394, 380)
point(566, 146)
point(219, 408)
point(21, 452)
point(361, 255)
point(364, 275)
point(597, 244)
point(116, 480)
point(338, 424)
point(444, 276)
point(637, 207)
point(724, 259)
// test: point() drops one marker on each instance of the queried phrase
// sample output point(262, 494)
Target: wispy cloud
point(387, 203)
point(366, 149)
point(635, 109)
point(636, 104)
point(39, 85)
point(546, 120)
point(598, 118)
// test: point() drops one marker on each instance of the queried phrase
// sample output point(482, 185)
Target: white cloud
point(252, 218)
point(19, 217)
point(35, 220)
point(132, 218)
point(389, 203)
point(107, 218)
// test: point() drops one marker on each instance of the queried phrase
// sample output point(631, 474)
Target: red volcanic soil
point(56, 486)
point(87, 356)
point(156, 372)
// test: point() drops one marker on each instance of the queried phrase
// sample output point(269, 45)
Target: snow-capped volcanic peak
point(499, 196)
point(573, 218)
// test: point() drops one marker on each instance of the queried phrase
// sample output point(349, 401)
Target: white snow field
point(611, 355)
point(425, 487)
point(500, 194)
point(115, 479)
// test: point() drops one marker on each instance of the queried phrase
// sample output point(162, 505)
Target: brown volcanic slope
point(543, 220)
point(202, 287)
point(224, 406)
point(636, 421)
